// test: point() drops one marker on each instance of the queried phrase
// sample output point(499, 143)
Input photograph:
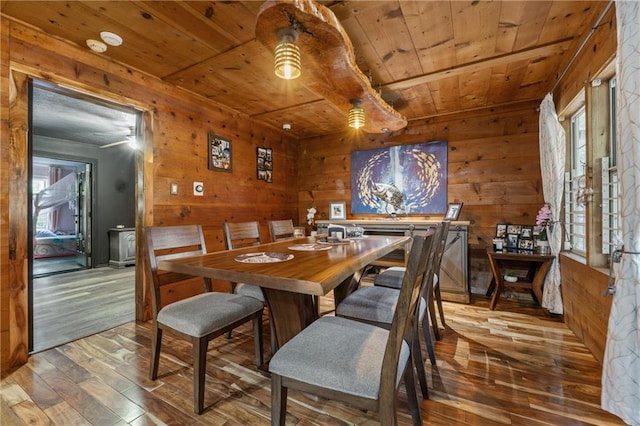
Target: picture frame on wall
point(338, 210)
point(453, 211)
point(220, 153)
point(264, 164)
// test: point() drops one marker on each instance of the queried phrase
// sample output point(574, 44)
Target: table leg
point(499, 283)
point(290, 313)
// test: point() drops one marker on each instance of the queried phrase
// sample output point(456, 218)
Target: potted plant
point(511, 276)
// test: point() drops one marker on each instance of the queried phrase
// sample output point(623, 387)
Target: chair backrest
point(441, 247)
point(400, 330)
point(241, 234)
point(281, 229)
point(170, 242)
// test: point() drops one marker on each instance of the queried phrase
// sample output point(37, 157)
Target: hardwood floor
point(78, 304)
point(512, 366)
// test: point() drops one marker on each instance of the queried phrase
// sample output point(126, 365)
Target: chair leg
point(278, 401)
point(412, 396)
point(258, 339)
point(431, 306)
point(419, 363)
point(438, 297)
point(428, 339)
point(199, 373)
point(156, 343)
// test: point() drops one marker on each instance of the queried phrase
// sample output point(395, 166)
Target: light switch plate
point(174, 189)
point(198, 189)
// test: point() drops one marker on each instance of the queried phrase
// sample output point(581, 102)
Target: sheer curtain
point(621, 366)
point(552, 157)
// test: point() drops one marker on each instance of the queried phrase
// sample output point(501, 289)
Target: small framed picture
point(264, 157)
point(526, 232)
point(525, 244)
point(298, 231)
point(501, 230)
point(338, 210)
point(453, 212)
point(514, 229)
point(219, 153)
point(512, 241)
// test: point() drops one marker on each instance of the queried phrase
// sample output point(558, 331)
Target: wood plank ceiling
point(426, 57)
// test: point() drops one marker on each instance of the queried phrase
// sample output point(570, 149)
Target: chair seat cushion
point(390, 277)
point(201, 314)
point(250, 290)
point(338, 354)
point(373, 304)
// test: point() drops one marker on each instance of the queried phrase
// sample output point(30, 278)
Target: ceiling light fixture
point(111, 39)
point(287, 62)
point(356, 114)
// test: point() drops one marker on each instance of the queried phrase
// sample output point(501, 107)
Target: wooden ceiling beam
point(535, 52)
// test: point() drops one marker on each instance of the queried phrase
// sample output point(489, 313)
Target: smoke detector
point(96, 46)
point(286, 126)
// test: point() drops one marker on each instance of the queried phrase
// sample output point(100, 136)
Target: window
point(575, 183)
point(611, 221)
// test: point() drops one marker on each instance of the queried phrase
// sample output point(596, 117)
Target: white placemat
point(264, 257)
point(309, 247)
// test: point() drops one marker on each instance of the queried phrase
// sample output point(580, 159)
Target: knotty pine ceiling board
point(446, 94)
point(475, 26)
point(511, 17)
point(474, 92)
point(432, 38)
point(308, 120)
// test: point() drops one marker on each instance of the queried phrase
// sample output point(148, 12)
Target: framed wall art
point(338, 210)
point(404, 179)
point(219, 153)
point(265, 164)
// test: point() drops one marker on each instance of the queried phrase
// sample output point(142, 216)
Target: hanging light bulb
point(287, 63)
point(356, 114)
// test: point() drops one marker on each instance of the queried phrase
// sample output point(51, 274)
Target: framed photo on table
point(338, 210)
point(453, 212)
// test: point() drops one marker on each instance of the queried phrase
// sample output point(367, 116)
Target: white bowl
point(510, 278)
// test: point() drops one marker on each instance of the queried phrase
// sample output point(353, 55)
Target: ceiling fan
point(131, 140)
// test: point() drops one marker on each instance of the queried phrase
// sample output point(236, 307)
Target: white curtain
point(552, 157)
point(621, 367)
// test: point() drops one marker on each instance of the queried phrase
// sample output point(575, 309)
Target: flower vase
point(543, 247)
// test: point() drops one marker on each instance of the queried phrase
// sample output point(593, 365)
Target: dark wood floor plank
point(512, 366)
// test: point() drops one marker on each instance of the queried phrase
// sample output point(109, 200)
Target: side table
point(538, 265)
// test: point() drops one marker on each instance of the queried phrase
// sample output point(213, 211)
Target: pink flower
point(544, 219)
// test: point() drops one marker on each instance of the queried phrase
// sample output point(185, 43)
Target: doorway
point(82, 180)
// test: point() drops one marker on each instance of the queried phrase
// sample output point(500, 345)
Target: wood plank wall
point(175, 151)
point(494, 168)
point(586, 311)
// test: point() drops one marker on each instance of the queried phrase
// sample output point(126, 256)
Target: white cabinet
point(454, 269)
point(122, 247)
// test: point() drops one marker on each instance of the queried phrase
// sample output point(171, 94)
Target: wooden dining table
point(290, 286)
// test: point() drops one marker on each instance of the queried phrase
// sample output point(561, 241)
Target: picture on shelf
point(526, 232)
point(512, 241)
point(525, 244)
point(501, 230)
point(337, 210)
point(514, 229)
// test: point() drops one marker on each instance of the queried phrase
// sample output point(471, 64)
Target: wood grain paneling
point(175, 151)
point(494, 168)
point(586, 311)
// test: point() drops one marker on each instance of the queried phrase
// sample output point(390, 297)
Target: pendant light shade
point(287, 62)
point(356, 114)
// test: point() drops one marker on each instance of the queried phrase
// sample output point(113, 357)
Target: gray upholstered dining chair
point(392, 277)
point(246, 234)
point(281, 230)
point(197, 318)
point(354, 362)
point(376, 305)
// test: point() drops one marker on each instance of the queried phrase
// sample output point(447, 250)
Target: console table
point(454, 269)
point(537, 267)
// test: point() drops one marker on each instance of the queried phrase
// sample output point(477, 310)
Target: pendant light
point(356, 114)
point(287, 63)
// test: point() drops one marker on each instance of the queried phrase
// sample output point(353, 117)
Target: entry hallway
point(511, 366)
